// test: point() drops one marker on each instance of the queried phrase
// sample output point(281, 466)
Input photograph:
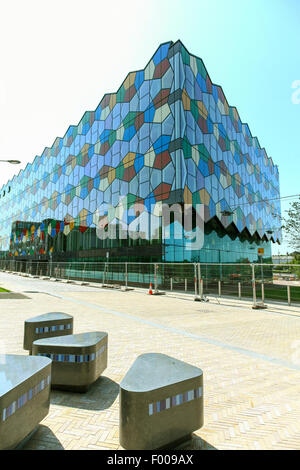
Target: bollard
point(185, 285)
point(240, 290)
point(171, 283)
point(262, 292)
point(220, 288)
point(155, 277)
point(201, 289)
point(83, 275)
point(254, 291)
point(156, 291)
point(200, 281)
point(289, 294)
point(256, 305)
point(253, 285)
point(126, 288)
point(196, 298)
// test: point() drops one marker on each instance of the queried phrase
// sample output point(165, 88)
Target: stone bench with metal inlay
point(24, 397)
point(46, 326)
point(161, 402)
point(78, 360)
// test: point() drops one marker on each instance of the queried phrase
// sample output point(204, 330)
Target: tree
point(292, 225)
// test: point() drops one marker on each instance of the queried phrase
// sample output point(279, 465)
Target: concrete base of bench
point(161, 403)
point(26, 439)
point(24, 397)
point(46, 326)
point(78, 360)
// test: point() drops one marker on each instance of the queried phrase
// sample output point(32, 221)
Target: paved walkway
point(250, 359)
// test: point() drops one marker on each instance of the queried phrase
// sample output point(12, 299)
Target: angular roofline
point(233, 107)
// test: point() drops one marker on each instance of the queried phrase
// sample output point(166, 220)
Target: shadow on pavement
point(43, 439)
point(197, 443)
point(100, 396)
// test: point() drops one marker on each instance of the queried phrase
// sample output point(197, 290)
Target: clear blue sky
point(58, 58)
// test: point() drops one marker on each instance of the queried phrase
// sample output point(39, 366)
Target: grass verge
point(4, 290)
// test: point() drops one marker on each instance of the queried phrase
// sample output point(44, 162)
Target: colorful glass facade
point(167, 135)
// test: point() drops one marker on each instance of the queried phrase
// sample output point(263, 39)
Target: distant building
point(282, 259)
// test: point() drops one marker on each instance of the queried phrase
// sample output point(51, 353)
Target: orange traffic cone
point(150, 289)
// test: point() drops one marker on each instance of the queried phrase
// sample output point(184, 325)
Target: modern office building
point(168, 135)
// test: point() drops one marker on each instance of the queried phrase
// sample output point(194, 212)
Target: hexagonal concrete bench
point(161, 402)
point(78, 360)
point(24, 397)
point(46, 326)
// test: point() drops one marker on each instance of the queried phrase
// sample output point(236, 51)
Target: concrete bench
point(46, 326)
point(78, 360)
point(161, 403)
point(24, 397)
